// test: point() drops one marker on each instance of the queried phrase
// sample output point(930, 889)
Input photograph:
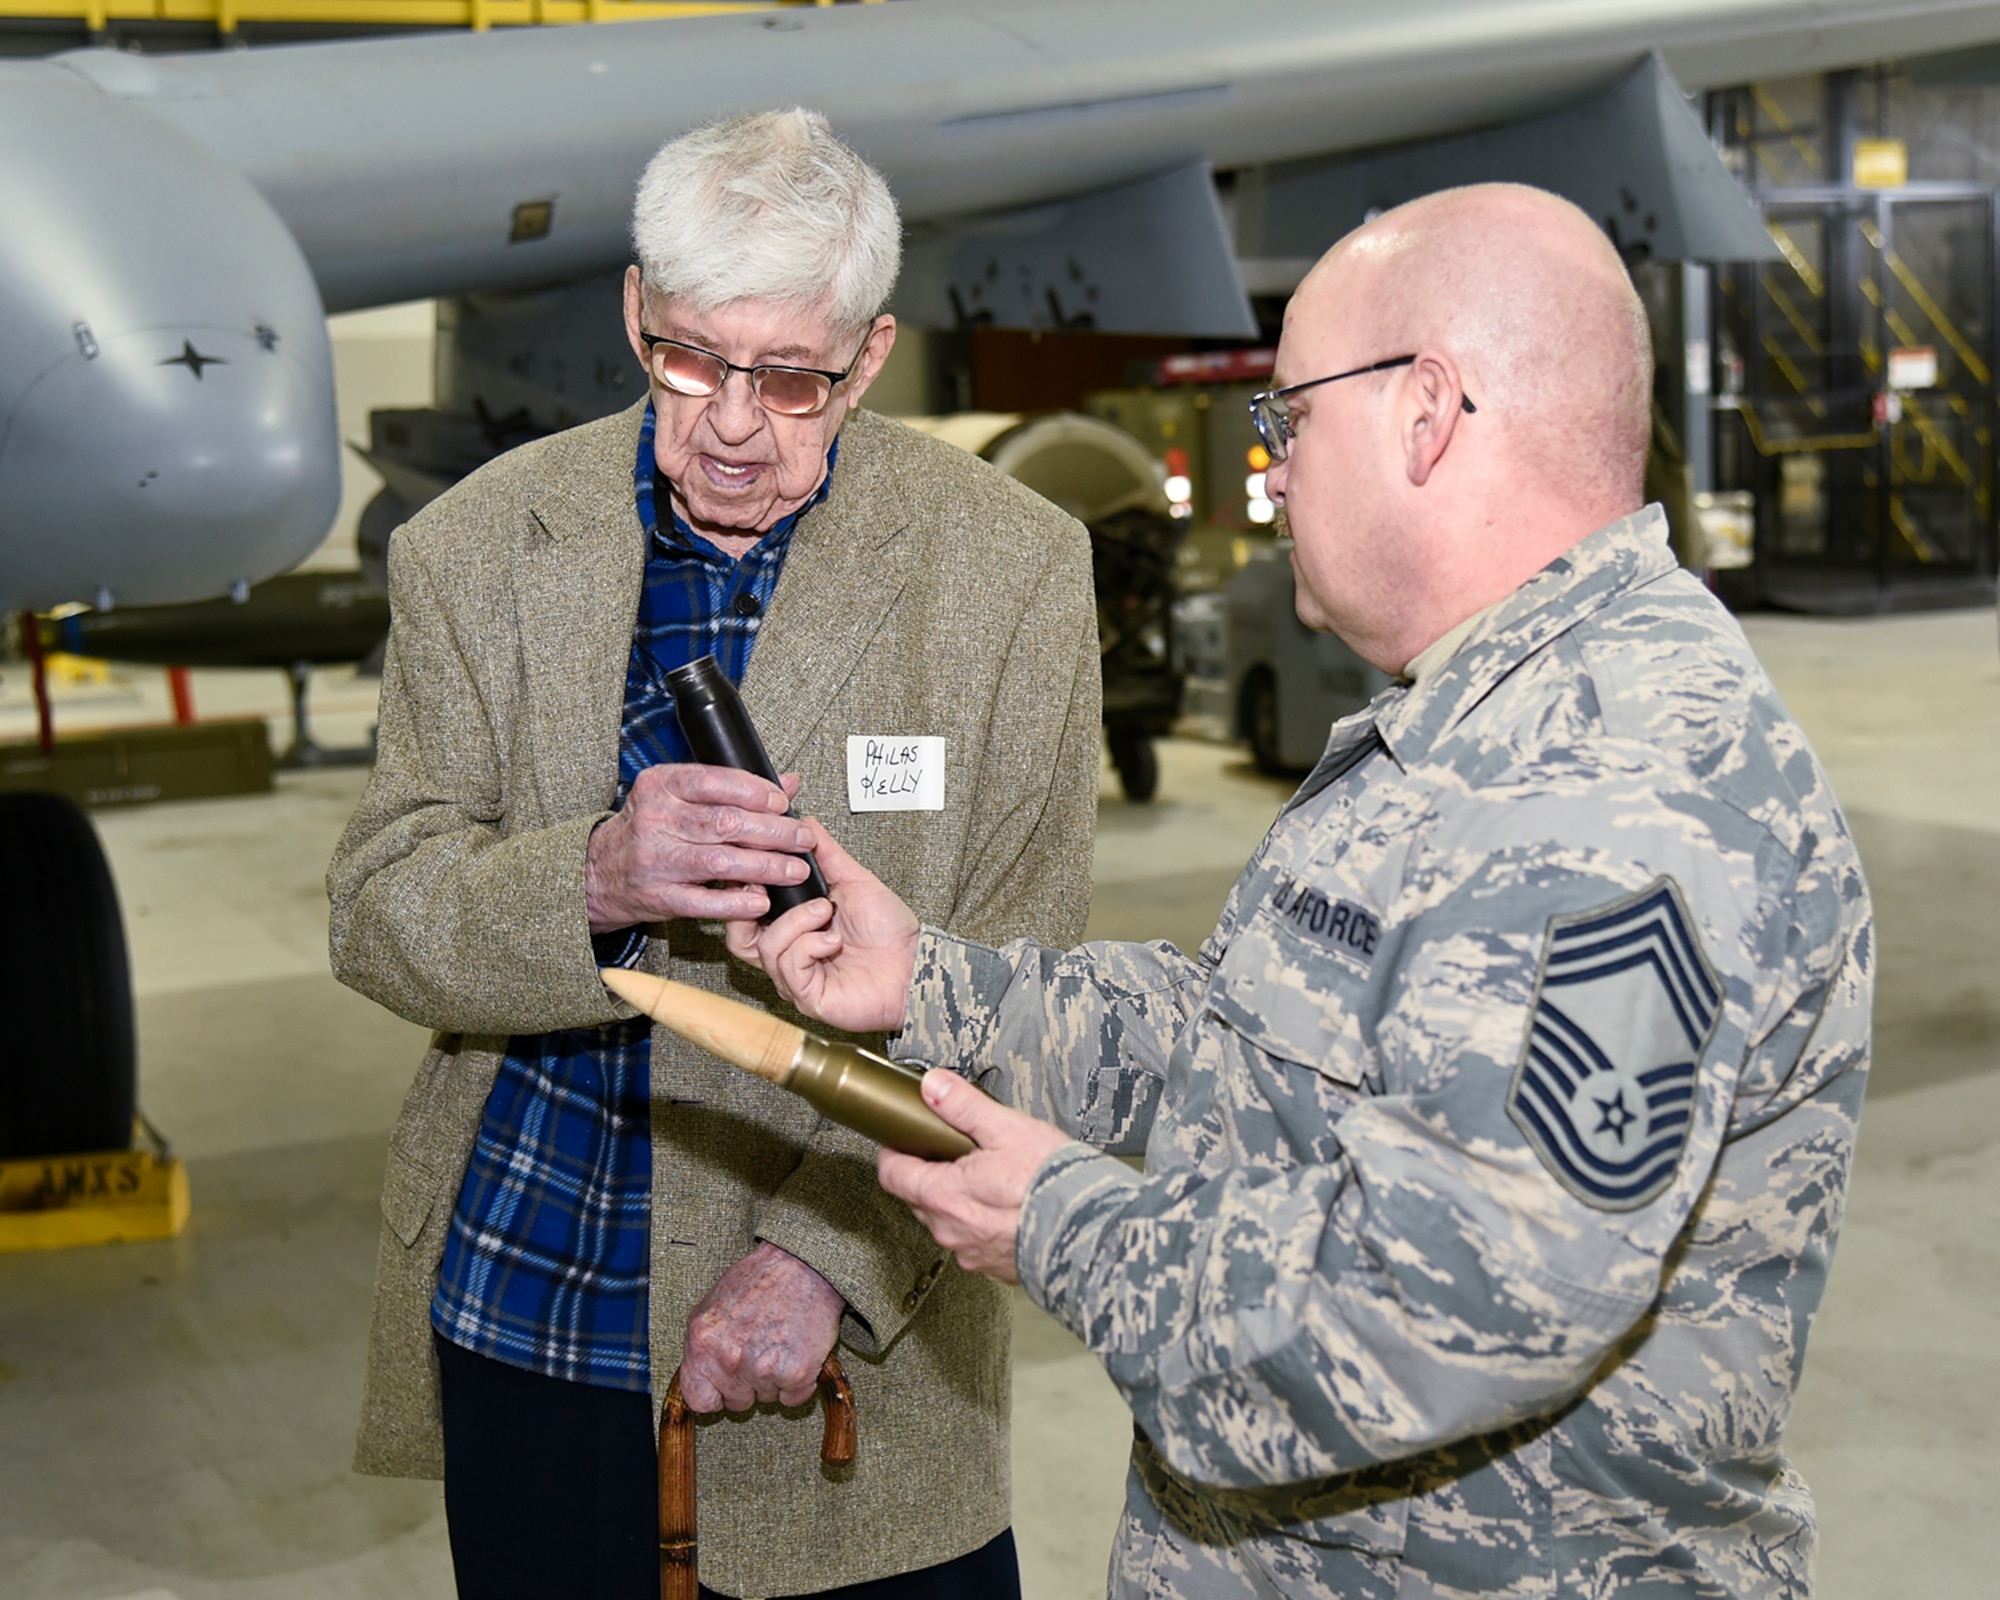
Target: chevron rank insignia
point(1624, 1008)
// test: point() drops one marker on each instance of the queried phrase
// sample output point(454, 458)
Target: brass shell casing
point(874, 1096)
point(855, 1087)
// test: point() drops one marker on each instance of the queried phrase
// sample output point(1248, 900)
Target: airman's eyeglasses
point(788, 391)
point(1271, 411)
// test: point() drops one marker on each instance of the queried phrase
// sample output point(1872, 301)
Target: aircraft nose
point(187, 440)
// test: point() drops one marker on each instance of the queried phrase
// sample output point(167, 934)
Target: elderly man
point(576, 1206)
point(1496, 1140)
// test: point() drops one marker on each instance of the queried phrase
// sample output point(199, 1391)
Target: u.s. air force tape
point(1625, 1004)
point(1339, 925)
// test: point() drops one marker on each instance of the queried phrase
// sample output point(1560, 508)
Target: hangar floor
point(175, 1418)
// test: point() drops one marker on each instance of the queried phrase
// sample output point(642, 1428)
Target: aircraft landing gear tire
point(68, 1074)
point(1137, 762)
point(1260, 721)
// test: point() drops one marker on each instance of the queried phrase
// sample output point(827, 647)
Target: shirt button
point(745, 605)
point(910, 1304)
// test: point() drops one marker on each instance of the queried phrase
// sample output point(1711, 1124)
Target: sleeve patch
point(1625, 1004)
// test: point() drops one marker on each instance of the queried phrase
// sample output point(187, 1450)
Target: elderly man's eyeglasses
point(789, 391)
point(1272, 410)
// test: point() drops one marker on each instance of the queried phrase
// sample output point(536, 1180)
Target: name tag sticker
point(890, 774)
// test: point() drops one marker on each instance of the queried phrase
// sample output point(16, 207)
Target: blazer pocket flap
point(409, 1191)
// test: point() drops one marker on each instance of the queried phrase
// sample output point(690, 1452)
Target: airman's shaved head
point(1410, 508)
point(1531, 297)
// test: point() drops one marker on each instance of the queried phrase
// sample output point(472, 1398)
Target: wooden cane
point(677, 1552)
point(679, 1578)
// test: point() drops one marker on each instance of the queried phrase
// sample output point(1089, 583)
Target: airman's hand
point(972, 1206)
point(847, 961)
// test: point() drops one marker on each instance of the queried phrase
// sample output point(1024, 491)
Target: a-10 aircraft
point(173, 229)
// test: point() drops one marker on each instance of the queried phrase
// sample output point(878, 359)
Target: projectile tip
point(753, 1039)
point(639, 989)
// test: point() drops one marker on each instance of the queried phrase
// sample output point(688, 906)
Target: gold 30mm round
point(856, 1088)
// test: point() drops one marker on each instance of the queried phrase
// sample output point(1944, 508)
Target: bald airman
point(1496, 1140)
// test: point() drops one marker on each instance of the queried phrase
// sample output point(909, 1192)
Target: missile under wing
point(165, 395)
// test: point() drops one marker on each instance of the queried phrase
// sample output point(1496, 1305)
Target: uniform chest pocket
point(1301, 996)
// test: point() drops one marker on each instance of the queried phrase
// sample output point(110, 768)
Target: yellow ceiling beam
point(227, 15)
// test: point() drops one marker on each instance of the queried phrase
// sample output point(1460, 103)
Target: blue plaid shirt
point(545, 1266)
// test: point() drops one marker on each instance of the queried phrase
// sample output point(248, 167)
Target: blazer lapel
point(850, 560)
point(576, 590)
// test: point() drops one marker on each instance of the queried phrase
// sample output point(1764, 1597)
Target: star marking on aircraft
point(193, 359)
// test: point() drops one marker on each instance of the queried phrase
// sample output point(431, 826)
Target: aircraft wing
point(401, 165)
point(166, 418)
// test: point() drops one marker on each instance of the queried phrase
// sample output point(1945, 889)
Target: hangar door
point(1862, 365)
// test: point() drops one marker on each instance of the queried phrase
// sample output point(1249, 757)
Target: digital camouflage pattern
point(1495, 1142)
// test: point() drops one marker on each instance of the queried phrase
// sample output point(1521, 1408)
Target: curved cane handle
point(837, 1448)
point(679, 1576)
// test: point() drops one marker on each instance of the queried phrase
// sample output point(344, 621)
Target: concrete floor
point(175, 1418)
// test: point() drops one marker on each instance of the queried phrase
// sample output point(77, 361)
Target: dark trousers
point(551, 1492)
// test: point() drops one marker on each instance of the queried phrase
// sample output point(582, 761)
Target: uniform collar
point(1597, 570)
point(1441, 649)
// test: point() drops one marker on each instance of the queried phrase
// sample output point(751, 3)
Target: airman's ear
point(1434, 399)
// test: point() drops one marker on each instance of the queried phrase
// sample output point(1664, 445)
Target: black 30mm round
point(720, 734)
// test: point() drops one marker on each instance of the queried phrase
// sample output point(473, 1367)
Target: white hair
point(768, 207)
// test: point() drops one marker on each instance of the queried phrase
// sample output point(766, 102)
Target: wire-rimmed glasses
point(1271, 411)
point(788, 391)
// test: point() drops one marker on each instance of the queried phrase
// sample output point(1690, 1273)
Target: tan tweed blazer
point(929, 594)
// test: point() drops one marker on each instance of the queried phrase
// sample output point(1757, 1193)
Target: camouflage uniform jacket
point(1495, 1142)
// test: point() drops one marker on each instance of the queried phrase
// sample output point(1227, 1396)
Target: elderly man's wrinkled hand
point(761, 1334)
point(693, 841)
point(847, 962)
point(972, 1206)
